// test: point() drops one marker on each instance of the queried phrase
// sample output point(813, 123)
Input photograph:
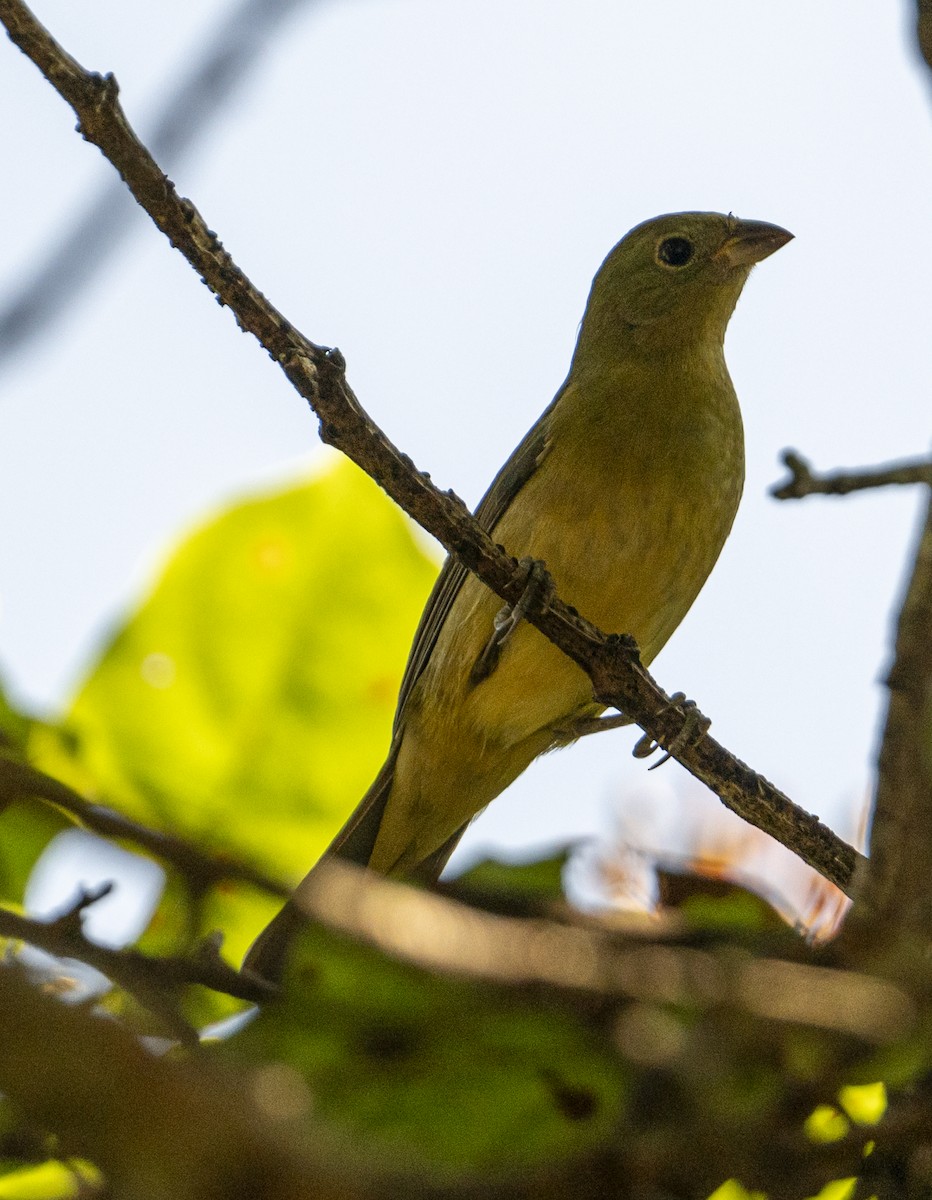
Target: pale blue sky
point(431, 187)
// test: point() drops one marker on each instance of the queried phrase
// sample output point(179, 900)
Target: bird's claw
point(538, 589)
point(694, 730)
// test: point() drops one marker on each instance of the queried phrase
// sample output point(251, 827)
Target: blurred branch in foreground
point(665, 1035)
point(898, 892)
point(77, 254)
point(156, 1126)
point(440, 934)
point(688, 1017)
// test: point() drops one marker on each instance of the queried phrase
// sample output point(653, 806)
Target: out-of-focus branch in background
point(85, 244)
point(924, 29)
point(804, 481)
point(898, 889)
point(201, 870)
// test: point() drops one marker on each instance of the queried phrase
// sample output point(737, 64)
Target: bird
point(626, 488)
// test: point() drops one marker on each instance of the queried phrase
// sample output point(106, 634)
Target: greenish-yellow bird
point(626, 488)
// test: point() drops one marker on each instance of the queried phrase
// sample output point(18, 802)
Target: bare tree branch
point(898, 887)
point(201, 870)
point(896, 890)
point(143, 975)
point(619, 680)
point(803, 482)
point(235, 48)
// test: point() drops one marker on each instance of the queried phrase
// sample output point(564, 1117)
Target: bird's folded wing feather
point(356, 839)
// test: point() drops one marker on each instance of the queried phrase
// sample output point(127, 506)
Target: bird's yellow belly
point(468, 741)
point(641, 584)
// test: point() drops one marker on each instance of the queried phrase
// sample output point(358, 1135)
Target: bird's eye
point(675, 251)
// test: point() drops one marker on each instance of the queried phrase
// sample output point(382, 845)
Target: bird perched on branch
point(626, 487)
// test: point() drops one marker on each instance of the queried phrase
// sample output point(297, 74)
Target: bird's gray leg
point(538, 588)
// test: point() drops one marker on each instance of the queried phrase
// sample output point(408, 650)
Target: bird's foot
point(695, 727)
point(580, 727)
point(538, 589)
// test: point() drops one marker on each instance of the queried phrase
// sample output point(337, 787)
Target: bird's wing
point(492, 507)
point(356, 839)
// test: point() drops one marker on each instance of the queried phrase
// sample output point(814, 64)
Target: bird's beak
point(750, 242)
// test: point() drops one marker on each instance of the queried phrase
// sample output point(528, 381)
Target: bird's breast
point(631, 519)
point(629, 509)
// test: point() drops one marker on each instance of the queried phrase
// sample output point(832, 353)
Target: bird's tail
point(355, 842)
point(268, 954)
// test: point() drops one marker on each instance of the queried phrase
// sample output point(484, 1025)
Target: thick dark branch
point(840, 483)
point(618, 678)
point(898, 887)
point(19, 781)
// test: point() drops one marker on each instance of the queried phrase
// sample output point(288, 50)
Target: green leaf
point(52, 1181)
point(435, 1074)
point(826, 1124)
point(247, 703)
point(864, 1103)
point(717, 906)
point(838, 1189)
point(732, 1190)
point(513, 887)
point(26, 828)
point(14, 727)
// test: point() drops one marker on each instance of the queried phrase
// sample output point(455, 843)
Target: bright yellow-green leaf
point(51, 1181)
point(838, 1189)
point(26, 828)
point(864, 1103)
point(826, 1124)
point(731, 1189)
point(248, 702)
point(494, 882)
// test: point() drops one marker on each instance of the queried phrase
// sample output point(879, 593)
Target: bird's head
point(677, 277)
